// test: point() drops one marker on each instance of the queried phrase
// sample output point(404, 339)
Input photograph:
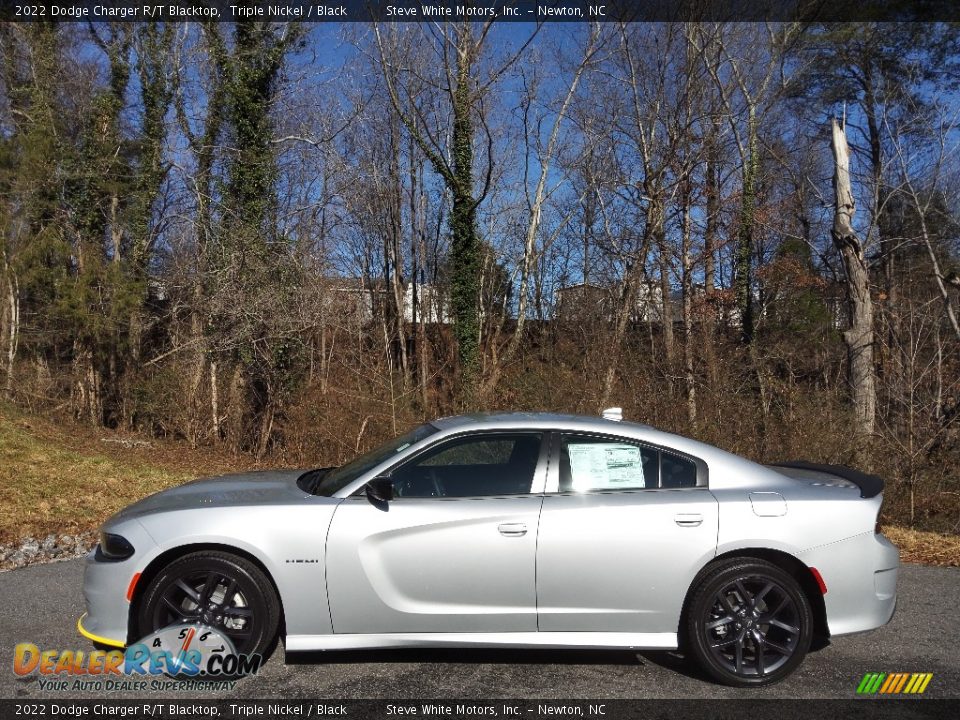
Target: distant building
point(355, 301)
point(431, 304)
point(584, 301)
point(588, 301)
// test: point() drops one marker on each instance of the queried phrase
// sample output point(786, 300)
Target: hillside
point(66, 479)
point(58, 482)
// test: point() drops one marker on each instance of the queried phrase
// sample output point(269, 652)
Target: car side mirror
point(380, 489)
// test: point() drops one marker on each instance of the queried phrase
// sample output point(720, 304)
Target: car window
point(472, 466)
point(492, 451)
point(594, 464)
point(677, 472)
point(327, 481)
point(598, 464)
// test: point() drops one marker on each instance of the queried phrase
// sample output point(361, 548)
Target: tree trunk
point(709, 313)
point(743, 261)
point(116, 229)
point(420, 306)
point(394, 264)
point(890, 355)
point(859, 337)
point(13, 330)
point(465, 246)
point(666, 306)
point(458, 177)
point(214, 402)
point(687, 290)
point(713, 207)
point(624, 310)
point(937, 274)
point(536, 204)
point(266, 424)
point(87, 402)
point(234, 409)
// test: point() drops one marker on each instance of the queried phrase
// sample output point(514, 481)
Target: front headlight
point(113, 547)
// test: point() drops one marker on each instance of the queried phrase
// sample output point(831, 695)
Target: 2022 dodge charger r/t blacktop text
point(511, 530)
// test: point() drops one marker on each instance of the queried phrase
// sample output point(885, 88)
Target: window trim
point(537, 485)
point(553, 476)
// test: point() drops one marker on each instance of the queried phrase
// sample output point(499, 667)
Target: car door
point(454, 551)
point(623, 531)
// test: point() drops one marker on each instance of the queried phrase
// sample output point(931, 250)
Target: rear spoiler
point(870, 485)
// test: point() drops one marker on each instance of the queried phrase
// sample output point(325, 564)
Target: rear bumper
point(861, 578)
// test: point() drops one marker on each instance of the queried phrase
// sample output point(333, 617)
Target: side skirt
point(586, 640)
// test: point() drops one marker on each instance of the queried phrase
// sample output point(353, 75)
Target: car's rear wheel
point(749, 623)
point(216, 589)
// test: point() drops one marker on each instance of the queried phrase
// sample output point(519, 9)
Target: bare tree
point(747, 63)
point(544, 156)
point(926, 194)
point(859, 336)
point(449, 146)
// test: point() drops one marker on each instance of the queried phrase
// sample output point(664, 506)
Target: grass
point(46, 488)
point(927, 548)
point(65, 479)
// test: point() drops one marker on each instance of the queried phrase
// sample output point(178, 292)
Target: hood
point(270, 487)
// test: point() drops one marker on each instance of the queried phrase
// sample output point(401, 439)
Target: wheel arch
point(168, 556)
point(786, 562)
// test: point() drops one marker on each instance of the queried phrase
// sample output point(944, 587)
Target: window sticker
point(605, 466)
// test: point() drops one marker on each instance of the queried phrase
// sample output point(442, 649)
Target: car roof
point(543, 420)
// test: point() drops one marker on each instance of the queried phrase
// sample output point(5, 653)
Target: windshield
point(327, 481)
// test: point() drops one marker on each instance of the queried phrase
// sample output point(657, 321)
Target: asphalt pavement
point(40, 604)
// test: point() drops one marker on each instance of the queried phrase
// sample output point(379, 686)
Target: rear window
point(676, 471)
point(597, 464)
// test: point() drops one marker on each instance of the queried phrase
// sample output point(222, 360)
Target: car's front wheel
point(749, 623)
point(215, 589)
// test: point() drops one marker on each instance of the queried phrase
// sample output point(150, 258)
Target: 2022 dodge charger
point(512, 530)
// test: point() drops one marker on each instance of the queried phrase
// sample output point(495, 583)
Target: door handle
point(688, 519)
point(512, 529)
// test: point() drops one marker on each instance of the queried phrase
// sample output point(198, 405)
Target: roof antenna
point(613, 413)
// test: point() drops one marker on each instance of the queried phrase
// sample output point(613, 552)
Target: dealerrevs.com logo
point(894, 683)
point(179, 657)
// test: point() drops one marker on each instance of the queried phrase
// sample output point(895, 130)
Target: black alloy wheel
point(749, 623)
point(216, 589)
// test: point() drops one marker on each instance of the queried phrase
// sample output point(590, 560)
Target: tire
point(241, 601)
point(749, 623)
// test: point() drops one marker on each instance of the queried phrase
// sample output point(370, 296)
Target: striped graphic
point(894, 683)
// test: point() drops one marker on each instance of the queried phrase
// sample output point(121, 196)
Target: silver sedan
point(520, 530)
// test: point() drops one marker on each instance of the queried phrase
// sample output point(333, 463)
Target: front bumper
point(94, 637)
point(861, 578)
point(106, 585)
